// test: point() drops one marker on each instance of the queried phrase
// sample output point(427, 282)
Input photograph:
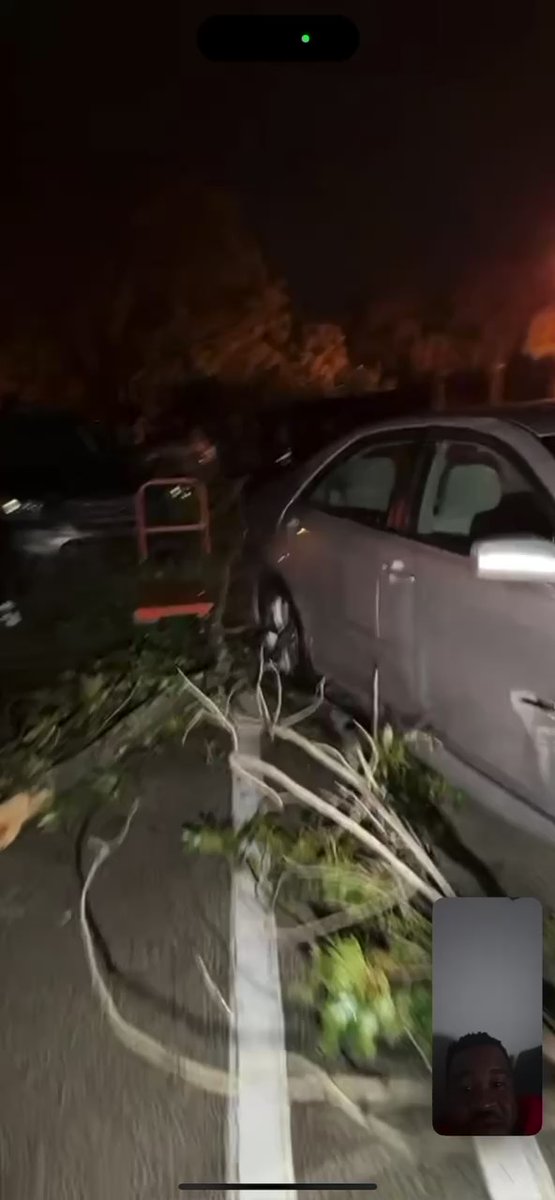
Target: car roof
point(536, 417)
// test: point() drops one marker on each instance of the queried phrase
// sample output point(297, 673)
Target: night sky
point(431, 151)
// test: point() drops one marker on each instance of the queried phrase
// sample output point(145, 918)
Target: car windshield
point(549, 443)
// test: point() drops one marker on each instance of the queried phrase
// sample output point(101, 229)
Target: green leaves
point(358, 1006)
point(357, 1025)
point(370, 986)
point(350, 884)
point(336, 1018)
point(52, 725)
point(363, 1032)
point(92, 689)
point(416, 788)
point(420, 1015)
point(343, 969)
point(204, 840)
point(208, 836)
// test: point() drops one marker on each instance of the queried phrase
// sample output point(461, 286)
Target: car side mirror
point(515, 559)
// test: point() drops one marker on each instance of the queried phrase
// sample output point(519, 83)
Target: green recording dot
point(305, 37)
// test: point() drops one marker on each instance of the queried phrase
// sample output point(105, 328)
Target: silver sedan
point(415, 561)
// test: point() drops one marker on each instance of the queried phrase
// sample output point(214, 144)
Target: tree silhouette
point(540, 340)
point(499, 300)
point(178, 290)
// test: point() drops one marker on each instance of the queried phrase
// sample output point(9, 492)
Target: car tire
point(282, 632)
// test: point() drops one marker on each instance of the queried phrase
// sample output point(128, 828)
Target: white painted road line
point(514, 1168)
point(259, 1117)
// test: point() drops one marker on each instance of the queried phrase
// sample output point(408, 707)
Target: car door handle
point(547, 706)
point(397, 572)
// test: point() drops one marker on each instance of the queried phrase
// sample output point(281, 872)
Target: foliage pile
point(54, 724)
point(367, 986)
point(350, 871)
point(349, 868)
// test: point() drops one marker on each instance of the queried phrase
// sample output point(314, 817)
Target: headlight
point(21, 508)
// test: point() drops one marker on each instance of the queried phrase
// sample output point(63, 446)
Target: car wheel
point(282, 634)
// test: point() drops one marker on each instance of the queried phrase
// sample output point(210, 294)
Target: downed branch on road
point(353, 859)
point(72, 739)
point(81, 727)
point(18, 810)
point(370, 973)
point(308, 1082)
point(353, 1095)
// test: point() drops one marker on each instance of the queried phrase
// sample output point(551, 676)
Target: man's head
point(480, 1086)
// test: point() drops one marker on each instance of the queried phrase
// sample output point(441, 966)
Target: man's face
point(480, 1092)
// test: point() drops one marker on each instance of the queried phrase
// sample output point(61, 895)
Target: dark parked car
point(9, 612)
point(63, 484)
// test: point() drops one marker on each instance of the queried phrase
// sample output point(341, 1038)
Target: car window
point(473, 492)
point(360, 486)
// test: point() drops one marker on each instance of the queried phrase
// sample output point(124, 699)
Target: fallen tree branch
point(18, 810)
point(105, 751)
point(213, 989)
point(257, 767)
point(111, 746)
point(308, 1082)
point(248, 765)
point(323, 927)
point(369, 792)
point(134, 1039)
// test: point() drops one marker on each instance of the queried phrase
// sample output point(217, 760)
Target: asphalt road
point(80, 1116)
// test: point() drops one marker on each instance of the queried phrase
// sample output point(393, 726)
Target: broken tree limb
point(256, 766)
point(368, 791)
point(315, 1084)
point(105, 751)
point(109, 748)
point(18, 810)
point(263, 770)
point(308, 1083)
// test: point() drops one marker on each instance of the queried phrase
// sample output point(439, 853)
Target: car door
point(399, 677)
point(336, 538)
point(486, 647)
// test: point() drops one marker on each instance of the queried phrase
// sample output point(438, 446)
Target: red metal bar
point(144, 530)
point(146, 614)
